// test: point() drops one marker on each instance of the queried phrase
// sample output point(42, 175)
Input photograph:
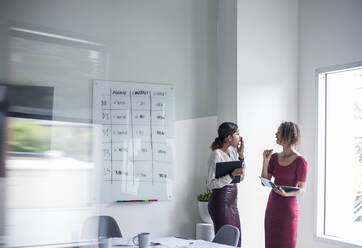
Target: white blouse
point(217, 156)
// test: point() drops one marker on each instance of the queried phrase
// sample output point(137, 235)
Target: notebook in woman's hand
point(224, 168)
point(268, 183)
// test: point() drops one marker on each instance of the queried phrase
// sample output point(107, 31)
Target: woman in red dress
point(288, 168)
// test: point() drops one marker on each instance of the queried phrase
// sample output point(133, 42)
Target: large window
point(339, 207)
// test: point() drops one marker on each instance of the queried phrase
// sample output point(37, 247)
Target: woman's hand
point(267, 155)
point(280, 192)
point(237, 172)
point(266, 158)
point(241, 148)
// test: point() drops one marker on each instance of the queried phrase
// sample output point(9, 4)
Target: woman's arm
point(217, 183)
point(266, 158)
point(240, 149)
point(242, 171)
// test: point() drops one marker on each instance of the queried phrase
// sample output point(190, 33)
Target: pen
point(147, 201)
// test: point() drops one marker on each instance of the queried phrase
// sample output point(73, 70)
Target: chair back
point(104, 226)
point(227, 235)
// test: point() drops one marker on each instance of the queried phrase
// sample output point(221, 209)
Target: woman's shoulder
point(215, 153)
point(273, 158)
point(274, 155)
point(301, 159)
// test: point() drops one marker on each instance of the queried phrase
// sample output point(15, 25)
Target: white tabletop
point(169, 242)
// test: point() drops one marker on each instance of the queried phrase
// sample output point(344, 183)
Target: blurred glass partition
point(51, 186)
point(50, 181)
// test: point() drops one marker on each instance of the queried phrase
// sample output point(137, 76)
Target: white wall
point(158, 41)
point(267, 40)
point(226, 61)
point(330, 34)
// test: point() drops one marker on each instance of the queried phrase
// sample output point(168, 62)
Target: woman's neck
point(224, 147)
point(288, 151)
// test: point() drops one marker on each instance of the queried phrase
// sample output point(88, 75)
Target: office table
point(168, 242)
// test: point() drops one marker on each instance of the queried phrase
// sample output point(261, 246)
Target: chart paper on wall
point(136, 139)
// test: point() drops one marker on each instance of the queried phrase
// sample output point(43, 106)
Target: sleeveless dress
point(282, 213)
point(222, 205)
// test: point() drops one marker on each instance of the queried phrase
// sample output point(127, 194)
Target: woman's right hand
point(266, 158)
point(266, 155)
point(237, 172)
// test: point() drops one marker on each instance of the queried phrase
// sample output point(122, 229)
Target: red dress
point(282, 213)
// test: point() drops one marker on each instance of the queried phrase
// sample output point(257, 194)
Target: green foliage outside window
point(31, 136)
point(26, 136)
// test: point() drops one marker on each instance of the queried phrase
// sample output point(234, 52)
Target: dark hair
point(224, 130)
point(289, 132)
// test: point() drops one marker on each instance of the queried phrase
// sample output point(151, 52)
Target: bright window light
point(339, 204)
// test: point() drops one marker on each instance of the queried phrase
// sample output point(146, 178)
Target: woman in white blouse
point(228, 146)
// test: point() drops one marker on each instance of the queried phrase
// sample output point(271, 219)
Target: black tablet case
point(224, 168)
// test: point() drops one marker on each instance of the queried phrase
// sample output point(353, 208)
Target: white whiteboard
point(137, 121)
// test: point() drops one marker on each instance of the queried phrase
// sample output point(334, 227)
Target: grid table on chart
point(137, 133)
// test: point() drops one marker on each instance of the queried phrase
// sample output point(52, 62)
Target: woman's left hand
point(280, 192)
point(241, 148)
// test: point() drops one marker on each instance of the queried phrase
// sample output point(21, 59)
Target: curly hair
point(290, 133)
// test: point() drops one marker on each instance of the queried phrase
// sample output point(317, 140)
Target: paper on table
point(172, 241)
point(122, 241)
point(206, 244)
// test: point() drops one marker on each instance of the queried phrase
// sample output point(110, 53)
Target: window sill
point(336, 241)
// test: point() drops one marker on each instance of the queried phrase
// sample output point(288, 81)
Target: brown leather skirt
point(223, 207)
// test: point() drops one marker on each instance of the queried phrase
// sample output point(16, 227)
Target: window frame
point(320, 141)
